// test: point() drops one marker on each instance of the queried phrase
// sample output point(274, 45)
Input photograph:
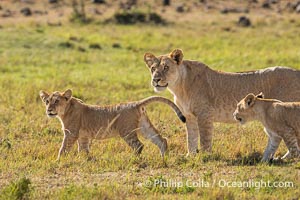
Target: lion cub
point(82, 122)
point(281, 121)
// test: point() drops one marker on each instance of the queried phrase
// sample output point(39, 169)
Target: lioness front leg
point(192, 135)
point(272, 146)
point(66, 145)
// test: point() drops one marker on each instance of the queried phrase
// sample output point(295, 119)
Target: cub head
point(164, 69)
point(56, 102)
point(245, 110)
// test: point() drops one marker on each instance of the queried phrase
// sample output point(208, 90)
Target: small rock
point(228, 29)
point(96, 11)
point(26, 11)
point(27, 1)
point(166, 2)
point(38, 12)
point(244, 21)
point(66, 45)
point(209, 7)
point(54, 24)
point(266, 5)
point(81, 49)
point(98, 1)
point(73, 38)
point(253, 1)
point(180, 9)
point(224, 11)
point(26, 46)
point(95, 46)
point(234, 10)
point(143, 165)
point(156, 19)
point(7, 13)
point(116, 45)
point(273, 1)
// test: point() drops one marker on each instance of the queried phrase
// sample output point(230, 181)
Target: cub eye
point(166, 67)
point(152, 69)
point(56, 101)
point(47, 102)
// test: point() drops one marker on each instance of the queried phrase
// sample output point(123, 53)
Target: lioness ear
point(44, 95)
point(67, 94)
point(250, 100)
point(177, 55)
point(150, 59)
point(260, 95)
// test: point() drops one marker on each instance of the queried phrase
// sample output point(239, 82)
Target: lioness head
point(56, 102)
point(245, 110)
point(164, 69)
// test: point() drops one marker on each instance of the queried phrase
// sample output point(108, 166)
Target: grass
point(35, 57)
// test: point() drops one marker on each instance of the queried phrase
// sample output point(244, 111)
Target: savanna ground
point(36, 56)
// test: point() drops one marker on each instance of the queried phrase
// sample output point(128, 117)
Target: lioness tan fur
point(205, 95)
point(281, 121)
point(82, 122)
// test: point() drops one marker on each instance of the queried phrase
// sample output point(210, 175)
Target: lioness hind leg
point(291, 142)
point(149, 132)
point(83, 145)
point(133, 141)
point(206, 132)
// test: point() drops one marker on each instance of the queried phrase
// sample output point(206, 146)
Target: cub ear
point(67, 94)
point(150, 59)
point(177, 55)
point(44, 95)
point(260, 95)
point(250, 100)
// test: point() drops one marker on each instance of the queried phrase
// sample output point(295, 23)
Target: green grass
point(34, 57)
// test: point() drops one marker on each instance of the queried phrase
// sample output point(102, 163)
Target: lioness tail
point(152, 99)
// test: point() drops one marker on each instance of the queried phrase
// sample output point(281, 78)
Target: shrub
point(17, 190)
point(135, 16)
point(79, 13)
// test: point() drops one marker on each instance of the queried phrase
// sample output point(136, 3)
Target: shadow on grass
point(253, 159)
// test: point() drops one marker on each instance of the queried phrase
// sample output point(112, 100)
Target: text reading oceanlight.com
point(200, 183)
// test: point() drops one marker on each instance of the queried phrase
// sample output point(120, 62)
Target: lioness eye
point(47, 101)
point(166, 67)
point(56, 101)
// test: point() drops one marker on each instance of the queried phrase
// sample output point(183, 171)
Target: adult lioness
point(281, 121)
point(82, 122)
point(206, 96)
